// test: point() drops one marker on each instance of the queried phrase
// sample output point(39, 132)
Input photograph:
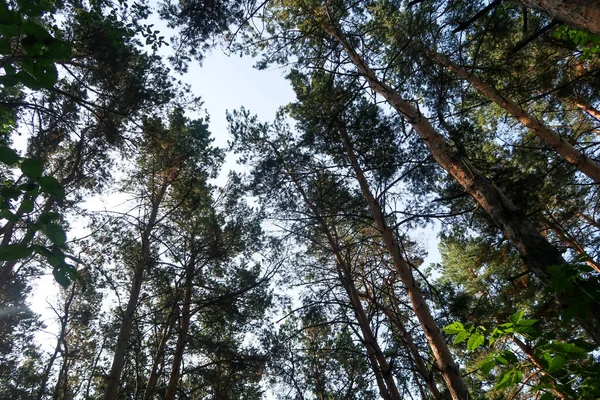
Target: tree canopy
point(303, 273)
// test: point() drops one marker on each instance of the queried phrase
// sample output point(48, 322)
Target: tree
point(187, 156)
point(580, 14)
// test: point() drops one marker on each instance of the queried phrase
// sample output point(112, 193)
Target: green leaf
point(27, 206)
point(10, 193)
point(71, 271)
point(55, 233)
point(515, 318)
point(487, 367)
point(527, 322)
point(47, 217)
point(51, 186)
point(487, 364)
point(508, 378)
point(8, 156)
point(510, 356)
point(59, 50)
point(547, 396)
point(6, 214)
point(454, 328)
point(566, 348)
point(44, 251)
point(476, 340)
point(461, 337)
point(45, 73)
point(13, 252)
point(501, 359)
point(60, 275)
point(26, 187)
point(32, 168)
point(26, 79)
point(557, 363)
point(35, 30)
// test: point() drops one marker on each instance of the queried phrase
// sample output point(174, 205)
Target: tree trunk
point(551, 138)
point(383, 392)
point(113, 380)
point(159, 357)
point(184, 326)
point(581, 14)
point(409, 344)
point(536, 252)
point(441, 352)
point(588, 109)
point(382, 367)
point(369, 338)
point(64, 320)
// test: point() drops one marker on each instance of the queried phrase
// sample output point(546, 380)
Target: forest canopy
point(301, 274)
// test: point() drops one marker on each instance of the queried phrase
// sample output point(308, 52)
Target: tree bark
point(588, 109)
point(158, 357)
point(382, 367)
point(551, 138)
point(113, 380)
point(409, 344)
point(536, 252)
point(581, 14)
point(184, 326)
point(441, 352)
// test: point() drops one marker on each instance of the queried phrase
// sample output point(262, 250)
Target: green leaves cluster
point(588, 43)
point(17, 204)
point(28, 48)
point(556, 361)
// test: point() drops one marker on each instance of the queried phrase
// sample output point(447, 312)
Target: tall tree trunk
point(409, 344)
point(159, 356)
point(62, 383)
point(383, 392)
point(369, 338)
point(184, 326)
point(441, 352)
point(113, 380)
point(587, 108)
point(536, 252)
point(64, 321)
point(382, 367)
point(581, 14)
point(551, 138)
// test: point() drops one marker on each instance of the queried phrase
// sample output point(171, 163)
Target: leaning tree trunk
point(381, 368)
point(113, 380)
point(363, 321)
point(184, 325)
point(159, 356)
point(581, 14)
point(406, 338)
point(537, 254)
point(437, 343)
point(64, 322)
point(549, 136)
